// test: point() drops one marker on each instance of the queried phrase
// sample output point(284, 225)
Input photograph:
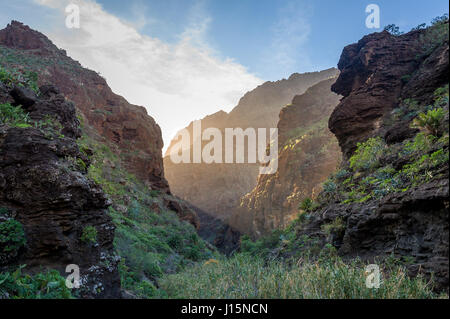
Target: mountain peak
point(20, 36)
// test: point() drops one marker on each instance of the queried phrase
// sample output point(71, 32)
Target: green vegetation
point(246, 276)
point(431, 121)
point(13, 116)
point(26, 78)
point(46, 285)
point(89, 235)
point(151, 240)
point(373, 170)
point(308, 205)
point(435, 35)
point(393, 29)
point(50, 126)
point(336, 226)
point(12, 236)
point(367, 154)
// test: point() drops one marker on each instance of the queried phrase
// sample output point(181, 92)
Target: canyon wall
point(308, 152)
point(43, 189)
point(390, 197)
point(217, 188)
point(126, 128)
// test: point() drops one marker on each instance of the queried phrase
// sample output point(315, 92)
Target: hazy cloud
point(176, 82)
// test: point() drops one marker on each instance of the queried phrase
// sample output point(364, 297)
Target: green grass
point(244, 276)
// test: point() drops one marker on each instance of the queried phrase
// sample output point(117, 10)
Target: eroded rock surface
point(308, 153)
point(217, 188)
point(44, 187)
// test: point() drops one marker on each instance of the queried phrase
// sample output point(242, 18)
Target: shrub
point(393, 29)
point(337, 226)
point(329, 186)
point(430, 121)
point(13, 116)
point(420, 144)
point(46, 285)
point(12, 235)
point(89, 234)
point(367, 154)
point(306, 204)
point(435, 35)
point(23, 78)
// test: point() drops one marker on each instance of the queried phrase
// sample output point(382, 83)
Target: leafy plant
point(89, 234)
point(12, 235)
point(430, 121)
point(367, 154)
point(393, 29)
point(13, 116)
point(306, 204)
point(26, 78)
point(44, 285)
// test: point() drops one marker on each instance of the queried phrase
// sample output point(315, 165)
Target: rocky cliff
point(54, 183)
point(44, 188)
point(217, 188)
point(127, 128)
point(390, 197)
point(108, 118)
point(308, 153)
point(376, 74)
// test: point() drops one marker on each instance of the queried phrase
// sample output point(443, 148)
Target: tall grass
point(245, 276)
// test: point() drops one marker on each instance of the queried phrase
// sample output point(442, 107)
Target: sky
point(185, 59)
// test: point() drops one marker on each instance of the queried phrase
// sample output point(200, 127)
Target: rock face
point(373, 72)
point(308, 153)
point(412, 225)
point(44, 189)
point(217, 232)
point(217, 188)
point(127, 128)
point(377, 75)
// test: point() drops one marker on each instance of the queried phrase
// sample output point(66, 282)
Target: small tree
point(393, 29)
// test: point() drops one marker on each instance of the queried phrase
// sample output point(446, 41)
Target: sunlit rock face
point(217, 188)
point(127, 128)
point(308, 153)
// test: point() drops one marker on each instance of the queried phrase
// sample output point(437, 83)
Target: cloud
point(177, 83)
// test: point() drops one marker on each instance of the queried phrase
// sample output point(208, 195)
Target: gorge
point(362, 178)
